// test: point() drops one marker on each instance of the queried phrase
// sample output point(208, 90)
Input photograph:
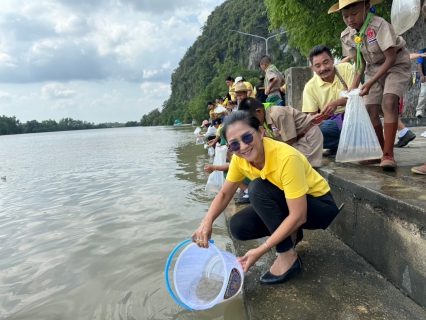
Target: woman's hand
point(251, 257)
point(203, 233)
point(365, 89)
point(209, 168)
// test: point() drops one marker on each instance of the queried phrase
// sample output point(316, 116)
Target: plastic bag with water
point(199, 140)
point(211, 152)
point(404, 14)
point(216, 178)
point(358, 140)
point(197, 131)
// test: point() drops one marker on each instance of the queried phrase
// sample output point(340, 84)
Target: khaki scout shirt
point(289, 122)
point(378, 37)
point(270, 73)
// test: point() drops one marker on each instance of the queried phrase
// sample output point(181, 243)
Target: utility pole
point(256, 36)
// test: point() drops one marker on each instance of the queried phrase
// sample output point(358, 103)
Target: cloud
point(5, 95)
point(78, 52)
point(156, 89)
point(56, 91)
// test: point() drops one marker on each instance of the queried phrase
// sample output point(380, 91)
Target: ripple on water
point(88, 220)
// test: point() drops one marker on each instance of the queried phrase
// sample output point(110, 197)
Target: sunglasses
point(246, 138)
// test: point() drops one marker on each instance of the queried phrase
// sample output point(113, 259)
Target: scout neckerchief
point(358, 41)
point(341, 79)
point(265, 125)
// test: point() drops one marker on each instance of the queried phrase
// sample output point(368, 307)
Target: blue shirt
point(422, 61)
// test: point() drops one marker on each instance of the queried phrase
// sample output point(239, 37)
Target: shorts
point(395, 81)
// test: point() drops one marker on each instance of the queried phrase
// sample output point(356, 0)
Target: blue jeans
point(331, 134)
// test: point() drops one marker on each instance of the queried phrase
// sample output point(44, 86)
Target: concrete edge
point(405, 211)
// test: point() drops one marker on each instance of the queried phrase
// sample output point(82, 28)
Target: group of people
point(278, 147)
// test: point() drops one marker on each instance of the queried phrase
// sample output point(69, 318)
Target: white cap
point(238, 79)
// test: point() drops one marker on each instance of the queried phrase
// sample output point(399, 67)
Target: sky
point(93, 60)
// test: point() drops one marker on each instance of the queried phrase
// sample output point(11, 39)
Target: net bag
point(216, 178)
point(358, 140)
point(404, 14)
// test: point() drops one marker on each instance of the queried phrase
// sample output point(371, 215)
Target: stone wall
point(416, 40)
point(295, 79)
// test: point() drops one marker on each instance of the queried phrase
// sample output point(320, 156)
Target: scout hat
point(343, 3)
point(275, 99)
point(240, 87)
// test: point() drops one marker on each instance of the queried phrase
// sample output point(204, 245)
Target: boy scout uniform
point(379, 37)
point(291, 123)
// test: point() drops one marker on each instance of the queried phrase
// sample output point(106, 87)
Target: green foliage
point(216, 54)
point(11, 125)
point(308, 23)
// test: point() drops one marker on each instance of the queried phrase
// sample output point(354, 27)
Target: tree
point(218, 53)
point(308, 23)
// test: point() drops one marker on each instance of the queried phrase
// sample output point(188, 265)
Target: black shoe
point(330, 153)
point(403, 141)
point(243, 200)
point(269, 278)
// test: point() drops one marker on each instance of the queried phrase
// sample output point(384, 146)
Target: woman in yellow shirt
point(286, 195)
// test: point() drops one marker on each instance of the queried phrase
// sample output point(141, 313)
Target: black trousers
point(268, 210)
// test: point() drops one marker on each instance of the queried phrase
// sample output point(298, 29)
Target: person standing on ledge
point(274, 79)
point(382, 54)
point(260, 90)
point(286, 194)
point(421, 105)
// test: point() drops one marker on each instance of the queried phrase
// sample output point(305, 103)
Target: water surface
point(88, 219)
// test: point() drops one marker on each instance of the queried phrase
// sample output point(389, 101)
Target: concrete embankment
point(371, 264)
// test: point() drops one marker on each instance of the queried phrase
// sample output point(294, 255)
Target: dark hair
point(250, 105)
point(217, 121)
point(242, 116)
point(265, 60)
point(317, 50)
point(229, 78)
point(209, 103)
point(261, 78)
point(219, 98)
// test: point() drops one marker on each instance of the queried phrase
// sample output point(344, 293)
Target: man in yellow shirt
point(321, 96)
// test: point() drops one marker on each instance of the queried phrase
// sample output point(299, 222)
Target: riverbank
point(346, 269)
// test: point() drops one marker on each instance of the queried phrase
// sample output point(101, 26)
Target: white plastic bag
point(404, 15)
point(211, 152)
point(358, 140)
point(197, 131)
point(199, 140)
point(216, 178)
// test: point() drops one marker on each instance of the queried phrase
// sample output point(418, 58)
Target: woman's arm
point(218, 205)
point(210, 168)
point(414, 56)
point(297, 217)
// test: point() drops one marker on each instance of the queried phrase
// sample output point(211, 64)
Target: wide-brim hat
point(343, 3)
point(240, 87)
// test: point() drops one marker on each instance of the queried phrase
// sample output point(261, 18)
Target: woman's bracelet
point(214, 168)
point(266, 245)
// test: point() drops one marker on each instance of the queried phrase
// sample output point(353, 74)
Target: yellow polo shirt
point(318, 93)
point(285, 167)
point(250, 88)
point(232, 93)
